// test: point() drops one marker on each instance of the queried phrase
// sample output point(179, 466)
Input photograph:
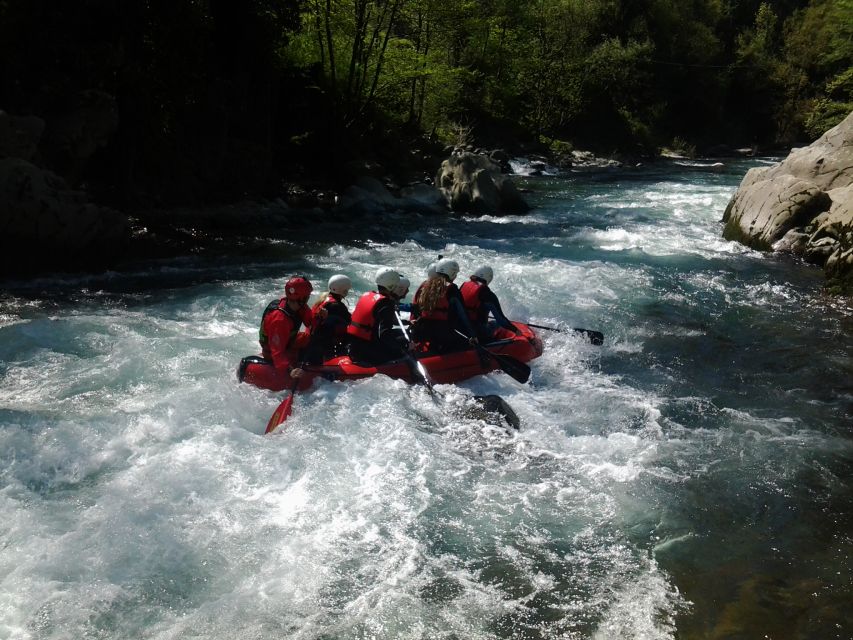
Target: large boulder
point(73, 136)
point(368, 196)
point(44, 223)
point(803, 204)
point(19, 135)
point(473, 183)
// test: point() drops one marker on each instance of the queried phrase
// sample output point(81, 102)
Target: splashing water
point(689, 478)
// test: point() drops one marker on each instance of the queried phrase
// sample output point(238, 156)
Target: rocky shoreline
point(802, 206)
point(48, 224)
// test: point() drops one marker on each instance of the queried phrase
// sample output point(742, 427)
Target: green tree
point(819, 59)
point(350, 39)
point(757, 77)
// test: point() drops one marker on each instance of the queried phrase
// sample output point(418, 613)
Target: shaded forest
point(202, 100)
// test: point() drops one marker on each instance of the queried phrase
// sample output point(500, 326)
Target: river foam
point(658, 483)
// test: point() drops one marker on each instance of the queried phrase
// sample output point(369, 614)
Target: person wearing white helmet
point(441, 312)
point(329, 338)
point(480, 301)
point(402, 289)
point(374, 335)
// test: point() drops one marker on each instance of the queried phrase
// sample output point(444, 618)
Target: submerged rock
point(803, 204)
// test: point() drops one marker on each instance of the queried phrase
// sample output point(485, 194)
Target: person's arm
point(278, 327)
point(490, 302)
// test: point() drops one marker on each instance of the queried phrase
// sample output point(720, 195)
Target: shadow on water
point(249, 258)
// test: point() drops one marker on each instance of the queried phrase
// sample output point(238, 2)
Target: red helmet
point(297, 288)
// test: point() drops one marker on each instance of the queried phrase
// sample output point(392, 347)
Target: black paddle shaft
point(513, 367)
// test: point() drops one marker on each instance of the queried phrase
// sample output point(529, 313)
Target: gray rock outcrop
point(44, 222)
point(19, 135)
point(41, 218)
point(75, 135)
point(473, 183)
point(368, 196)
point(802, 205)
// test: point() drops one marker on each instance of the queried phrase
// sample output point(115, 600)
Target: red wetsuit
point(281, 341)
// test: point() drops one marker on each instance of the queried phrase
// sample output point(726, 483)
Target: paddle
point(595, 337)
point(284, 409)
point(513, 367)
point(419, 372)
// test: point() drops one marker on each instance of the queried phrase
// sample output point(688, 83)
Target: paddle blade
point(419, 373)
point(595, 337)
point(281, 413)
point(423, 373)
point(513, 367)
point(497, 405)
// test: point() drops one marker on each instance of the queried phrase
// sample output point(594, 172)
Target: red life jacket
point(363, 321)
point(441, 311)
point(471, 297)
point(336, 308)
point(297, 319)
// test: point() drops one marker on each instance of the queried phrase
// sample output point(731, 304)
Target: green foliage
point(819, 54)
point(560, 148)
point(681, 147)
point(830, 109)
point(223, 92)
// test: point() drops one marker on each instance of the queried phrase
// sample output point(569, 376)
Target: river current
point(690, 478)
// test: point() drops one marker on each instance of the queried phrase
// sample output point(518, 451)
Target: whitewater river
point(691, 478)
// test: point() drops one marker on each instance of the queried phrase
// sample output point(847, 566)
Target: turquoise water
point(691, 478)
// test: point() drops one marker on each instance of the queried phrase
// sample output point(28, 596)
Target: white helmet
point(450, 268)
point(402, 287)
point(340, 284)
point(484, 273)
point(388, 278)
point(431, 271)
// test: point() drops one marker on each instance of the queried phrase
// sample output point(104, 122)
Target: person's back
point(415, 307)
point(373, 334)
point(442, 312)
point(329, 337)
point(480, 301)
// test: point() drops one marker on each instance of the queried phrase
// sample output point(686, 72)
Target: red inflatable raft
point(442, 368)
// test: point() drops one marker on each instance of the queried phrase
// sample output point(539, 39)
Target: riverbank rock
point(588, 160)
point(368, 196)
point(72, 137)
point(473, 183)
point(802, 205)
point(19, 135)
point(45, 224)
